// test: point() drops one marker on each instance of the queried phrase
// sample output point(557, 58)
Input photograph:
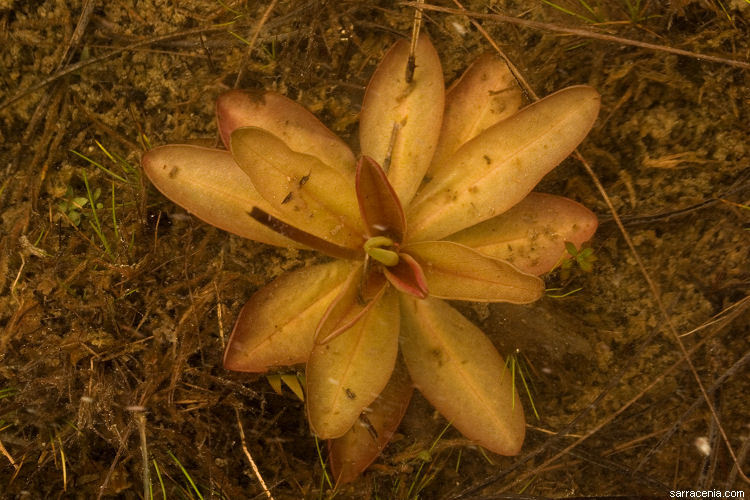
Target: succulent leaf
point(414, 108)
point(407, 276)
point(350, 454)
point(306, 192)
point(303, 237)
point(484, 95)
point(345, 375)
point(348, 307)
point(287, 120)
point(277, 325)
point(457, 272)
point(210, 185)
point(499, 167)
point(378, 202)
point(532, 234)
point(456, 367)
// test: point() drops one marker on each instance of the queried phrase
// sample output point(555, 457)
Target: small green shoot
point(127, 169)
point(526, 486)
point(230, 9)
point(591, 20)
point(99, 165)
point(420, 482)
point(562, 294)
point(114, 213)
point(72, 205)
point(96, 225)
point(161, 481)
point(186, 474)
point(584, 256)
point(518, 364)
point(486, 456)
point(326, 479)
point(8, 392)
point(240, 38)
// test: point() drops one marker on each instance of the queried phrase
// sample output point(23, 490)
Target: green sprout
point(584, 257)
point(517, 364)
point(186, 474)
point(326, 479)
point(72, 205)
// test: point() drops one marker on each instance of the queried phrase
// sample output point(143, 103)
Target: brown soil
point(110, 353)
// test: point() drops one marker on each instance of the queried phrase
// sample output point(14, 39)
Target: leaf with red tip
point(210, 185)
point(348, 306)
point(413, 110)
point(305, 191)
point(378, 202)
point(285, 119)
point(456, 367)
point(532, 234)
point(457, 272)
point(407, 276)
point(345, 375)
point(499, 167)
point(353, 452)
point(277, 325)
point(484, 95)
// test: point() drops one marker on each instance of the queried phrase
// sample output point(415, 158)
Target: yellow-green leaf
point(277, 325)
point(485, 94)
point(274, 380)
point(291, 381)
point(306, 192)
point(415, 109)
point(532, 234)
point(345, 375)
point(209, 184)
point(499, 167)
point(457, 272)
point(456, 367)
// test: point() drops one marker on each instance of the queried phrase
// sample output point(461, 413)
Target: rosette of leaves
point(437, 205)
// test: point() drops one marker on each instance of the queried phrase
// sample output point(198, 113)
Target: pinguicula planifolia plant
point(437, 205)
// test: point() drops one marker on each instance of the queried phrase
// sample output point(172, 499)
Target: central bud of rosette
point(385, 255)
point(382, 249)
point(385, 224)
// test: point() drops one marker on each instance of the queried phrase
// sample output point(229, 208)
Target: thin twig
point(250, 457)
point(8, 456)
point(72, 68)
point(652, 286)
point(80, 29)
point(253, 39)
point(732, 370)
point(118, 454)
point(416, 25)
point(675, 336)
point(583, 33)
point(140, 417)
